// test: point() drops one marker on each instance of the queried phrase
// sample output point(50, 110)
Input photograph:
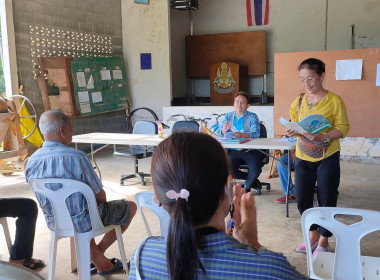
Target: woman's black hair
point(313, 64)
point(198, 163)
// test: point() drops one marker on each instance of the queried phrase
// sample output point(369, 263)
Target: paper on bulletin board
point(116, 74)
point(81, 79)
point(85, 107)
point(83, 96)
point(378, 76)
point(90, 84)
point(105, 74)
point(97, 97)
point(350, 69)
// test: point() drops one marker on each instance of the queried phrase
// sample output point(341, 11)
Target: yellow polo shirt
point(333, 109)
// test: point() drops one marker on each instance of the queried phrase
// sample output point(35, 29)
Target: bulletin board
point(361, 97)
point(244, 48)
point(99, 84)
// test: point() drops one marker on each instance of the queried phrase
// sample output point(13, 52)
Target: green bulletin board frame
point(99, 84)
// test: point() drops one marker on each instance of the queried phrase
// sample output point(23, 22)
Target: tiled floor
point(360, 188)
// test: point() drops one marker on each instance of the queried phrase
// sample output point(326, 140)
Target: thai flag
point(257, 12)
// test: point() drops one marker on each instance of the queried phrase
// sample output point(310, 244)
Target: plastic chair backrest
point(347, 261)
point(143, 127)
point(57, 198)
point(185, 126)
point(146, 199)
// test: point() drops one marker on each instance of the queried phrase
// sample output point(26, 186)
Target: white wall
point(146, 30)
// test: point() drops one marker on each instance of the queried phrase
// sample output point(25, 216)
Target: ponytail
point(198, 164)
point(182, 254)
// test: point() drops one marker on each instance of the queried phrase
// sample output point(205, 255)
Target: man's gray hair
point(52, 121)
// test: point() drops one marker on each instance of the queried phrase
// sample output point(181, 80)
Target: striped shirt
point(222, 256)
point(248, 123)
point(56, 160)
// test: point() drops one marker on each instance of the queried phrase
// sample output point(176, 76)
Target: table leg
point(287, 186)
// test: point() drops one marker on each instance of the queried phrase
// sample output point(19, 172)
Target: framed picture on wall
point(142, 1)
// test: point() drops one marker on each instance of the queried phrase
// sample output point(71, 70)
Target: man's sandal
point(33, 263)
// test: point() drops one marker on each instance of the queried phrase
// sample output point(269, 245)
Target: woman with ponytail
point(190, 173)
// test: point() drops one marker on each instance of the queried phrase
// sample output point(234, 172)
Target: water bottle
point(160, 130)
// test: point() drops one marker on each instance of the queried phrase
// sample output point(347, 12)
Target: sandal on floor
point(118, 265)
point(33, 263)
point(94, 270)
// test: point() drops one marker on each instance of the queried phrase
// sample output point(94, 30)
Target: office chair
point(137, 152)
point(185, 126)
point(264, 160)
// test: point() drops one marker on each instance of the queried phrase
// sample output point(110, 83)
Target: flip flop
point(93, 269)
point(118, 265)
point(33, 263)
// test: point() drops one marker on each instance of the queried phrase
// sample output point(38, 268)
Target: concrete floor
point(360, 188)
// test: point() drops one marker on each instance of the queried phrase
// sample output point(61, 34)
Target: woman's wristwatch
point(328, 139)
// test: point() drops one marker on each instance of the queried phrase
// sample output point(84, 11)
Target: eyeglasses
point(308, 79)
point(240, 102)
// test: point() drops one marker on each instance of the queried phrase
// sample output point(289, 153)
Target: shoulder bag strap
point(299, 105)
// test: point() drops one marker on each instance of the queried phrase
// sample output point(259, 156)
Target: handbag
point(311, 148)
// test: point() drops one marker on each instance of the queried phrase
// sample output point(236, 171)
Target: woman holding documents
point(317, 154)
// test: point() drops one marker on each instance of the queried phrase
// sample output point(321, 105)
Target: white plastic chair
point(64, 226)
point(346, 263)
point(4, 223)
point(146, 199)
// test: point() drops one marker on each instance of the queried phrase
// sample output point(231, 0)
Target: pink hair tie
point(182, 194)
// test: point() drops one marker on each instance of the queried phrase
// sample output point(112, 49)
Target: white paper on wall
point(350, 69)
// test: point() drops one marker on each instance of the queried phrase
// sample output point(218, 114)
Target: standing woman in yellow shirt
point(317, 155)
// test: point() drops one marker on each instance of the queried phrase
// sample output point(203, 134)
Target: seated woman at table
point(243, 124)
point(190, 173)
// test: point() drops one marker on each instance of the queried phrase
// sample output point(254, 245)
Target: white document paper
point(105, 74)
point(292, 125)
point(378, 76)
point(116, 74)
point(81, 79)
point(85, 107)
point(90, 84)
point(97, 97)
point(83, 96)
point(349, 69)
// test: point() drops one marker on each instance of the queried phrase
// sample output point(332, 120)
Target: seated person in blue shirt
point(56, 160)
point(243, 124)
point(190, 173)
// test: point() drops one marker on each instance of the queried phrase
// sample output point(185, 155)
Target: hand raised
point(245, 215)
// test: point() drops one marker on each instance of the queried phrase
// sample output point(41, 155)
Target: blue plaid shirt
point(223, 257)
point(56, 160)
point(248, 123)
